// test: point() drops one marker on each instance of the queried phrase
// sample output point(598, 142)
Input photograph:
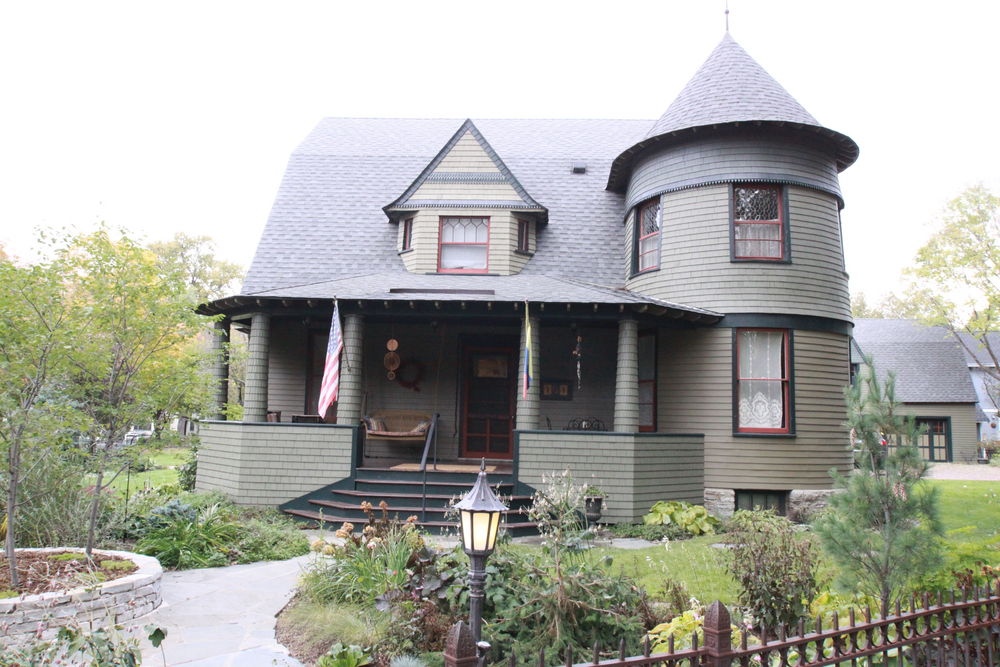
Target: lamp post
point(480, 512)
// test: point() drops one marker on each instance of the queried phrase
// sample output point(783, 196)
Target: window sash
point(463, 245)
point(522, 236)
point(762, 381)
point(407, 233)
point(760, 237)
point(648, 224)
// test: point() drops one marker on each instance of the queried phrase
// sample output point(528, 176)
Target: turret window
point(407, 234)
point(762, 392)
point(759, 230)
point(464, 245)
point(648, 222)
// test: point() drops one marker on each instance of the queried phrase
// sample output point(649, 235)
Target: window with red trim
point(407, 234)
point(762, 389)
point(523, 242)
point(759, 228)
point(646, 248)
point(464, 245)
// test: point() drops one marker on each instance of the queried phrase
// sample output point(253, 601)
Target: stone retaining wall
point(109, 603)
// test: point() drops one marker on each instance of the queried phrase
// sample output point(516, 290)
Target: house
point(676, 285)
point(982, 368)
point(933, 383)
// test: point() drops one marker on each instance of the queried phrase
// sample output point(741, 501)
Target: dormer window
point(646, 248)
point(760, 227)
point(523, 236)
point(464, 245)
point(407, 241)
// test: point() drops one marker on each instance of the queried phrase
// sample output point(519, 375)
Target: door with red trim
point(489, 377)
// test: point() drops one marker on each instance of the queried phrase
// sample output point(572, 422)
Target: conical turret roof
point(730, 88)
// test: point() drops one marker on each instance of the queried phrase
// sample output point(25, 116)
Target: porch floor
point(458, 465)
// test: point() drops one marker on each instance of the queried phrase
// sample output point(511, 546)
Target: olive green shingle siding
point(635, 470)
point(268, 464)
point(728, 159)
point(695, 383)
point(963, 425)
point(696, 268)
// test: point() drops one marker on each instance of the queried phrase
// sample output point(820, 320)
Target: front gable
point(466, 196)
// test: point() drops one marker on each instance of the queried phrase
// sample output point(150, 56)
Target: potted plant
point(593, 503)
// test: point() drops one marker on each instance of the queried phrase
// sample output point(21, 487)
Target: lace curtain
point(761, 373)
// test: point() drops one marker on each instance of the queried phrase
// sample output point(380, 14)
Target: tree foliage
point(958, 270)
point(194, 258)
point(881, 529)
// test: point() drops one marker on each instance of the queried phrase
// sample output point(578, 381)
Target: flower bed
point(106, 603)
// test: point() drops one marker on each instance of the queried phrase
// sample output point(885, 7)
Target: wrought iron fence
point(956, 630)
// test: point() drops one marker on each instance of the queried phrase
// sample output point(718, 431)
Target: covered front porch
point(459, 364)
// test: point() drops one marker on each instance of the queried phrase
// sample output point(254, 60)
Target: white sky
point(180, 116)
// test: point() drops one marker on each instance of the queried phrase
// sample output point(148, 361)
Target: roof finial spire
point(727, 16)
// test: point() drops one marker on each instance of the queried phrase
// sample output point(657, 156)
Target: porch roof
point(395, 286)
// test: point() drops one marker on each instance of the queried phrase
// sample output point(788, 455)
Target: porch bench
point(404, 426)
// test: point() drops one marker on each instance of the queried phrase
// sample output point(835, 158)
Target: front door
point(489, 377)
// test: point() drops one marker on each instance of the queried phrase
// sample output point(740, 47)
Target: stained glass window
point(758, 224)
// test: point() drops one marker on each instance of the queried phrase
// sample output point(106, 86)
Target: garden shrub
point(683, 626)
point(651, 532)
point(966, 564)
point(275, 537)
point(184, 543)
point(774, 567)
point(187, 473)
point(693, 519)
point(344, 656)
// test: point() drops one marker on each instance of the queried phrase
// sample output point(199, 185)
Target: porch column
point(255, 401)
point(528, 408)
point(220, 368)
point(349, 394)
point(627, 378)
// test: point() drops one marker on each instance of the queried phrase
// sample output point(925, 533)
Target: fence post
point(459, 648)
point(718, 635)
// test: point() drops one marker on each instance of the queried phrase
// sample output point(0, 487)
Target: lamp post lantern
point(480, 512)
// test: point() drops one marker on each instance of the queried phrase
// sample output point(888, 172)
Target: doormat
point(443, 467)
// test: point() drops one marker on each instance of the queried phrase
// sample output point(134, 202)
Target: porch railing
point(963, 631)
point(431, 438)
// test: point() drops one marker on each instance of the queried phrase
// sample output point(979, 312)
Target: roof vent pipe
point(579, 168)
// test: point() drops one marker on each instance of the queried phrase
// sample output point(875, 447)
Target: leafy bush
point(651, 532)
point(682, 627)
point(966, 564)
point(187, 473)
point(344, 656)
point(73, 645)
point(693, 519)
point(774, 567)
point(272, 538)
point(185, 543)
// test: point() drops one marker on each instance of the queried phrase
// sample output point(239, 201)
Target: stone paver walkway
point(224, 616)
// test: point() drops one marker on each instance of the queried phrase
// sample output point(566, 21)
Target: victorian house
point(677, 287)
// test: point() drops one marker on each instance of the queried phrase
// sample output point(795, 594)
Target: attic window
point(407, 234)
point(464, 245)
point(523, 235)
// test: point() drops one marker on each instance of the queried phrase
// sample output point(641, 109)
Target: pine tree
point(881, 529)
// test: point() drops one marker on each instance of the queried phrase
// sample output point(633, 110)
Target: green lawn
point(973, 507)
point(971, 510)
point(165, 462)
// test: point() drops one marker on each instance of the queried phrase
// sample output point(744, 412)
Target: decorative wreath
point(410, 374)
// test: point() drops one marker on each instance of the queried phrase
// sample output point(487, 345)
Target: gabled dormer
point(466, 212)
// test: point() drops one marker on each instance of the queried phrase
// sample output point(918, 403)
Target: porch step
point(404, 495)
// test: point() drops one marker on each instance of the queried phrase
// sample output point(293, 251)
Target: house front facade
point(675, 289)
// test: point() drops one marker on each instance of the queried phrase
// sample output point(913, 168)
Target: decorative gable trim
point(403, 202)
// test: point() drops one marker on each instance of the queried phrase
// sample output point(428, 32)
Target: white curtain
point(761, 369)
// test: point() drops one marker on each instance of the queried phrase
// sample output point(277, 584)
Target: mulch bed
point(47, 571)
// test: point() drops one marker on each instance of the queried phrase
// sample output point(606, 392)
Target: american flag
point(331, 370)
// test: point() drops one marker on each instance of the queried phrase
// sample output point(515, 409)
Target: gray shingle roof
point(728, 89)
point(397, 286)
point(327, 220)
point(980, 355)
point(730, 86)
point(928, 363)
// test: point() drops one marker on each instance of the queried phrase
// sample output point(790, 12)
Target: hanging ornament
point(391, 359)
point(578, 354)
